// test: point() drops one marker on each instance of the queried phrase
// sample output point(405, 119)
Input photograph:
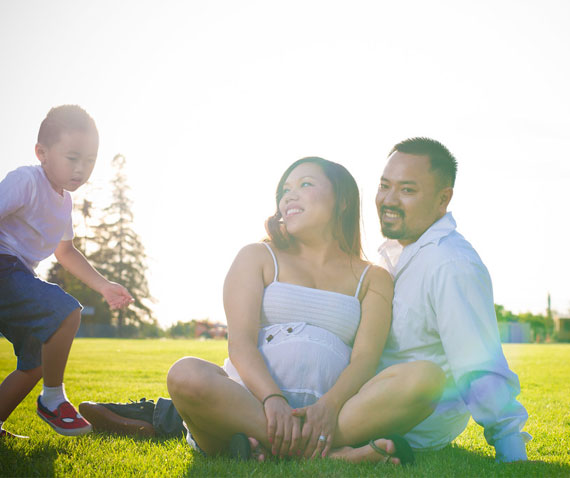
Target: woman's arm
point(243, 293)
point(376, 315)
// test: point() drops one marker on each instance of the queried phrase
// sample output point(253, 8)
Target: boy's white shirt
point(34, 218)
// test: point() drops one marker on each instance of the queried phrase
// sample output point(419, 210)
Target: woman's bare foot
point(258, 453)
point(367, 453)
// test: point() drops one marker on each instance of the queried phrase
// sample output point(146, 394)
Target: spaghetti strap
point(361, 279)
point(274, 260)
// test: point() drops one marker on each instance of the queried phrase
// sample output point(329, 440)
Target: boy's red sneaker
point(65, 420)
point(7, 434)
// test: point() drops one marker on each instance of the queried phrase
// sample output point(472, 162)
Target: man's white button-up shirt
point(443, 311)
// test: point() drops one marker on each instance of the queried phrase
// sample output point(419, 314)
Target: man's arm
point(491, 400)
point(76, 263)
point(462, 298)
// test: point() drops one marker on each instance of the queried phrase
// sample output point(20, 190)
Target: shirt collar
point(396, 256)
point(58, 197)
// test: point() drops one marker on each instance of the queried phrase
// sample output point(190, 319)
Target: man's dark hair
point(441, 160)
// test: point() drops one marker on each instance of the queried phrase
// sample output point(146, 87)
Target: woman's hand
point(283, 429)
point(319, 421)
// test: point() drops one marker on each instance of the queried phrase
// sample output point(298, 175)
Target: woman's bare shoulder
point(380, 281)
point(256, 252)
point(255, 257)
point(379, 273)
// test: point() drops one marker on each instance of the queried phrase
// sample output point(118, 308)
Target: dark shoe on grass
point(133, 418)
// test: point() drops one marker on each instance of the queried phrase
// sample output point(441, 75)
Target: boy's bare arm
point(74, 262)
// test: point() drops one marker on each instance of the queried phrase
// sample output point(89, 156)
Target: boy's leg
point(40, 319)
point(55, 350)
point(15, 388)
point(53, 406)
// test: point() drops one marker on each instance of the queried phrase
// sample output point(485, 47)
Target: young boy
point(39, 318)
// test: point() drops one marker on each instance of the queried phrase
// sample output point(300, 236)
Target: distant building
point(514, 332)
point(209, 330)
point(562, 328)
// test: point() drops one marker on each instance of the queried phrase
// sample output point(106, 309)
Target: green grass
point(116, 370)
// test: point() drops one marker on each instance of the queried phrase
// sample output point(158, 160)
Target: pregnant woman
point(307, 320)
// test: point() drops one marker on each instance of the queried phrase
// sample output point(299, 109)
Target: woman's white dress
point(305, 337)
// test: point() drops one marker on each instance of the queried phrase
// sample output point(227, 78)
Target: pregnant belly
point(303, 358)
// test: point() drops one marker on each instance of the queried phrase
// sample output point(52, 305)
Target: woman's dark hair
point(346, 212)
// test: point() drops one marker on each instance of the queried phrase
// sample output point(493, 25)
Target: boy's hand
point(116, 295)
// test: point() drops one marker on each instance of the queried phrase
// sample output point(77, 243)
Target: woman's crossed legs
point(215, 407)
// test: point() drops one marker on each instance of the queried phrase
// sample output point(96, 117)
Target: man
point(443, 307)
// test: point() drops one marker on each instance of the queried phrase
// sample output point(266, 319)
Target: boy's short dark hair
point(65, 118)
point(441, 160)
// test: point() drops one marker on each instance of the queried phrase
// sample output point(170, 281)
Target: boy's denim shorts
point(31, 310)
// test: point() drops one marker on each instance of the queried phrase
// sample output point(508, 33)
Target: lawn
point(118, 370)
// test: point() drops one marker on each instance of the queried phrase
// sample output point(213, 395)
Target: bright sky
point(211, 100)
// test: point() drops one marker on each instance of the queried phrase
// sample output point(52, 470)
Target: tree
point(99, 313)
point(504, 315)
point(119, 253)
point(182, 329)
point(112, 247)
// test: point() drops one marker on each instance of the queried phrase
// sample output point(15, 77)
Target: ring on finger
point(322, 438)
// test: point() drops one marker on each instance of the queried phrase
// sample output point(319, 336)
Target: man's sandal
point(403, 450)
